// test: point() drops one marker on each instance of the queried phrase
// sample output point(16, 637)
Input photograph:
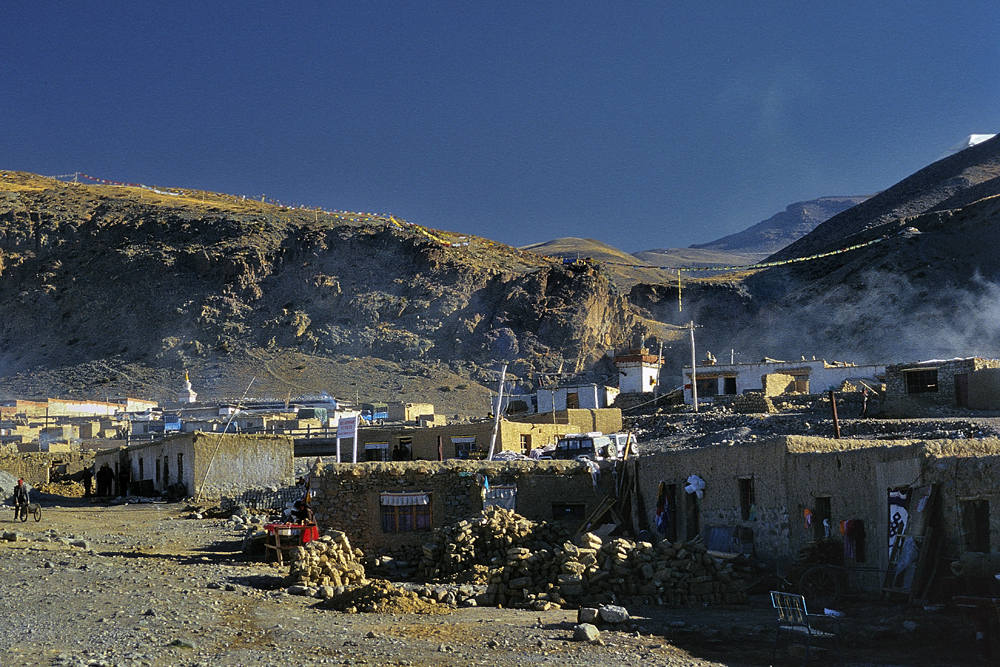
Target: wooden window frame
point(408, 518)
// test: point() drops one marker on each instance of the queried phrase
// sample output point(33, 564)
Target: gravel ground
point(142, 585)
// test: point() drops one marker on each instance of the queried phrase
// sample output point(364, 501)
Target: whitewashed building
point(583, 397)
point(638, 371)
point(805, 377)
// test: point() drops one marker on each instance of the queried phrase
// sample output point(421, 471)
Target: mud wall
point(230, 464)
point(40, 467)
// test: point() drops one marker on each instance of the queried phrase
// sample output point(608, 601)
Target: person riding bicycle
point(20, 498)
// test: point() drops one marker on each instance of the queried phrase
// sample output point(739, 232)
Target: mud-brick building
point(973, 382)
point(774, 497)
point(459, 441)
point(208, 464)
point(472, 440)
point(396, 505)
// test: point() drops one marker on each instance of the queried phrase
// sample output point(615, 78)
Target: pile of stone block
point(485, 541)
point(753, 403)
point(328, 561)
point(592, 572)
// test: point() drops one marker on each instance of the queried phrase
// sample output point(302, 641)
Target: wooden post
point(440, 448)
point(694, 370)
point(833, 410)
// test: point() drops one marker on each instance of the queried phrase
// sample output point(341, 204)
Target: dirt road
point(145, 586)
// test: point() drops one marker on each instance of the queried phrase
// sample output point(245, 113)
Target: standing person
point(125, 476)
point(88, 481)
point(303, 513)
point(864, 404)
point(103, 483)
point(20, 499)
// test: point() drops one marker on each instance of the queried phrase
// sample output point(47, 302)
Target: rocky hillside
point(111, 290)
point(108, 290)
point(625, 269)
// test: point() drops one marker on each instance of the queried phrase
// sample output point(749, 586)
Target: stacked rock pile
point(328, 561)
point(397, 563)
point(592, 572)
point(486, 541)
point(753, 403)
point(532, 565)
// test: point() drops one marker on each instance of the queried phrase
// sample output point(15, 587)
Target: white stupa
point(188, 395)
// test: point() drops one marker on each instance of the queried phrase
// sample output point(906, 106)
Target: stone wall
point(33, 467)
point(605, 420)
point(899, 402)
point(964, 471)
point(241, 462)
point(721, 467)
point(753, 403)
point(423, 442)
point(347, 497)
point(212, 465)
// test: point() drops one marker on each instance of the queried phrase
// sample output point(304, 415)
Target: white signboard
point(347, 429)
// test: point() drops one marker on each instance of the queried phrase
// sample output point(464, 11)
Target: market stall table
point(286, 536)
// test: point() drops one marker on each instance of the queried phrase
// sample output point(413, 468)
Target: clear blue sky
point(640, 124)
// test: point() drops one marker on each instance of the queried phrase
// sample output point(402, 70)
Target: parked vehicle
point(595, 446)
point(374, 413)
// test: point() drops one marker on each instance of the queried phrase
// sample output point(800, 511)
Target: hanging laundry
point(854, 539)
point(695, 485)
point(899, 514)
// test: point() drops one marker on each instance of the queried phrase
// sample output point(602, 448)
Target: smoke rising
point(880, 317)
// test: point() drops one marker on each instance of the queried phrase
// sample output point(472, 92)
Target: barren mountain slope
point(930, 289)
point(946, 184)
point(141, 283)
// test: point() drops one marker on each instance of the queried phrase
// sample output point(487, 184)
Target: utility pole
point(659, 367)
point(694, 369)
point(833, 411)
point(499, 408)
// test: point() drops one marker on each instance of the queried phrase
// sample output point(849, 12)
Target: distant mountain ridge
point(747, 247)
point(773, 234)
